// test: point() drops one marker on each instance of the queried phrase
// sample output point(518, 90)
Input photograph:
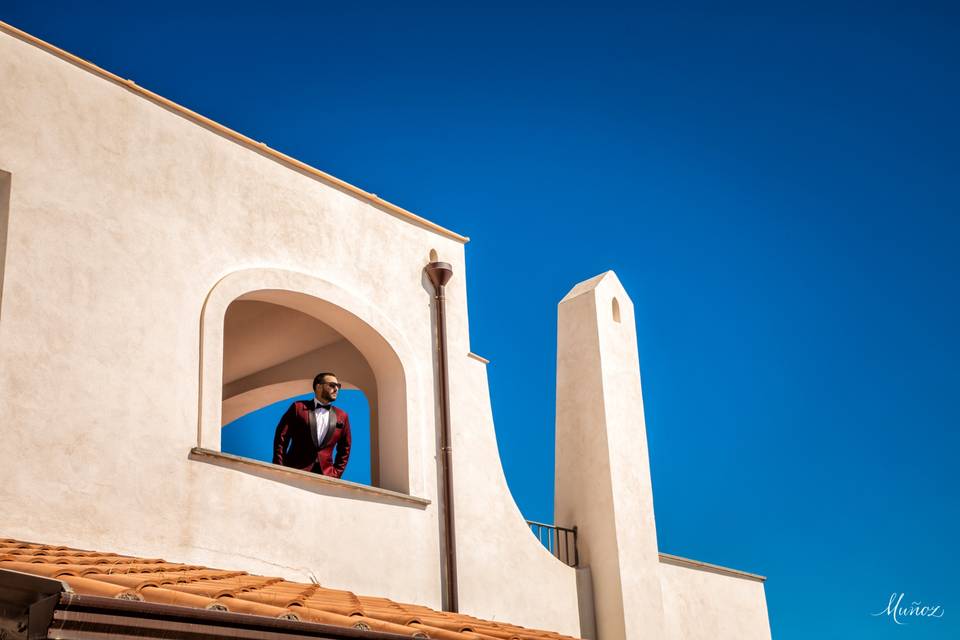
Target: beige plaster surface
point(340, 357)
point(493, 540)
point(131, 230)
point(700, 604)
point(4, 221)
point(258, 335)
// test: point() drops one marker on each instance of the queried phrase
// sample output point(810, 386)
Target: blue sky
point(778, 188)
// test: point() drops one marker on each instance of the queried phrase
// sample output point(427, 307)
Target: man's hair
point(321, 376)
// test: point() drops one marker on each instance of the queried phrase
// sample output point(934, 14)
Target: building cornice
point(706, 566)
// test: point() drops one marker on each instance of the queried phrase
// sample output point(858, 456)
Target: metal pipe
point(439, 274)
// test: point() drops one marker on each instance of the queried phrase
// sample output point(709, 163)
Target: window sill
point(305, 479)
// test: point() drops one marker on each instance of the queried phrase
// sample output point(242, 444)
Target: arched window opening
point(265, 333)
point(616, 310)
point(433, 255)
point(271, 352)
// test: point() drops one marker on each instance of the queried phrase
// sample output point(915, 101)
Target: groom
point(310, 429)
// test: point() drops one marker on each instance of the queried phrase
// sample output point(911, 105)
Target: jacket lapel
point(312, 417)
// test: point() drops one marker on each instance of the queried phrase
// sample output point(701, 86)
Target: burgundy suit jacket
point(293, 444)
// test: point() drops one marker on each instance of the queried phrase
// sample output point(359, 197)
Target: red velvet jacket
point(293, 444)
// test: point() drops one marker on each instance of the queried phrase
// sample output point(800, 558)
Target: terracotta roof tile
point(450, 624)
point(343, 609)
point(161, 595)
point(204, 588)
point(157, 581)
point(129, 580)
point(498, 632)
point(93, 587)
point(365, 622)
point(309, 614)
point(273, 598)
point(236, 605)
point(394, 616)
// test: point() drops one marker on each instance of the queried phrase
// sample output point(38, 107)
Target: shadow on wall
point(251, 436)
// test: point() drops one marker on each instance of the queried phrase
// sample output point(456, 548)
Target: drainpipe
point(439, 274)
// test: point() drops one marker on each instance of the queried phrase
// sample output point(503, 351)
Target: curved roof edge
point(409, 216)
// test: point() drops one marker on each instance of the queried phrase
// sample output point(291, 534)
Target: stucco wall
point(700, 604)
point(123, 217)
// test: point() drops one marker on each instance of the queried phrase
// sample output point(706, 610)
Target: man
point(310, 429)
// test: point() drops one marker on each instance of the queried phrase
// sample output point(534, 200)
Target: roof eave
point(33, 607)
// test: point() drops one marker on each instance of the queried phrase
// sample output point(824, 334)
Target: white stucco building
point(133, 231)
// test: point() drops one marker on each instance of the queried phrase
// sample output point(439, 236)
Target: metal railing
point(560, 541)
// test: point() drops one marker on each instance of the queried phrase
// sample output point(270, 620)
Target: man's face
point(327, 390)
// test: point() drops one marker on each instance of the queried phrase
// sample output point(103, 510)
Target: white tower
point(602, 467)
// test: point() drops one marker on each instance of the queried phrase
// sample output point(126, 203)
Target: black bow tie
point(321, 406)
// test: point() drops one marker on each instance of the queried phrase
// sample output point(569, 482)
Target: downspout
point(439, 274)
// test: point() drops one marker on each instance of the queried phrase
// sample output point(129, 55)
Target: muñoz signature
point(916, 609)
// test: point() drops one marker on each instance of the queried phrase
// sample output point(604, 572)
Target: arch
point(359, 322)
point(616, 310)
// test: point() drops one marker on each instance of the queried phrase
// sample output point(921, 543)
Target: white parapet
point(602, 465)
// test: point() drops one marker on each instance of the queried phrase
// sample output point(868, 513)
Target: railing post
point(576, 551)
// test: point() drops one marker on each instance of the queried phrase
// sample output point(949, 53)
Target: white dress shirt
point(323, 420)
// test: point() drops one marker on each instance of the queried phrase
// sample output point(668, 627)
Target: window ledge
point(305, 479)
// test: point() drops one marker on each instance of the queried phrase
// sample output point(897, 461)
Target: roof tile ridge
point(274, 599)
point(237, 605)
point(500, 633)
point(131, 580)
point(295, 591)
point(207, 577)
point(306, 590)
point(22, 557)
point(333, 595)
point(479, 635)
point(48, 570)
point(390, 605)
point(446, 634)
point(396, 617)
point(220, 577)
point(203, 588)
point(321, 616)
point(92, 587)
point(375, 624)
point(116, 560)
point(346, 604)
point(256, 580)
point(236, 584)
point(163, 595)
point(85, 560)
point(450, 624)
